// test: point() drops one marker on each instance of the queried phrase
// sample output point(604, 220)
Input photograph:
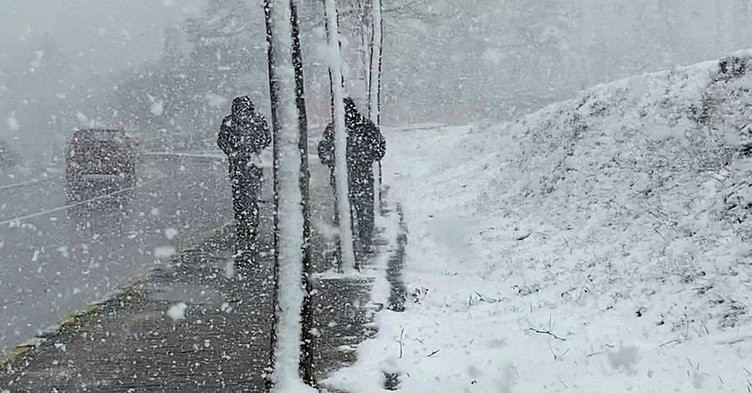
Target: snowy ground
point(601, 244)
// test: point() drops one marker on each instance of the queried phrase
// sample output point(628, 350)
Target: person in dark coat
point(242, 136)
point(365, 146)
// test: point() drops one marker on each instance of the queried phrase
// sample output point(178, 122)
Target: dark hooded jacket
point(365, 144)
point(242, 136)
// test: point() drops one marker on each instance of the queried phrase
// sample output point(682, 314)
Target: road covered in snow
point(57, 257)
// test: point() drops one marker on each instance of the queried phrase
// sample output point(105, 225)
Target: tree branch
point(547, 332)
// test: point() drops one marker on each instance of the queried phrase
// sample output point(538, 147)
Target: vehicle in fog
point(97, 162)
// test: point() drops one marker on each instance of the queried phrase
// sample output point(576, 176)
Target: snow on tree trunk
point(289, 212)
point(362, 78)
point(374, 91)
point(340, 140)
point(306, 358)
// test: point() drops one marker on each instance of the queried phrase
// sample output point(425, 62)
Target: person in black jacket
point(365, 145)
point(242, 136)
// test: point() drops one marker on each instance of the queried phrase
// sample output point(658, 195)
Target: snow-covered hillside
point(602, 244)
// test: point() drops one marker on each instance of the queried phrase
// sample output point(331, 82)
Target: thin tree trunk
point(306, 356)
point(289, 194)
point(275, 153)
point(374, 84)
point(374, 91)
point(340, 141)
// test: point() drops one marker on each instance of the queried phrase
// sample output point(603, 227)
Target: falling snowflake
point(170, 233)
point(176, 312)
point(163, 252)
point(13, 122)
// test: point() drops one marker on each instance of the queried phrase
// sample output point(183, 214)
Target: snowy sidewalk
point(345, 306)
point(191, 328)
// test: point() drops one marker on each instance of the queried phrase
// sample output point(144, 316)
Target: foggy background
point(165, 69)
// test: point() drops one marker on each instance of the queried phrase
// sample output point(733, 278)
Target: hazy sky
point(104, 35)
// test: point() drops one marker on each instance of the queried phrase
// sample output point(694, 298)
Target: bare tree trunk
point(374, 91)
point(290, 192)
point(275, 152)
point(340, 141)
point(356, 64)
point(306, 356)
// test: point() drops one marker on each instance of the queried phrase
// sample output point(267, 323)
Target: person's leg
point(245, 217)
point(333, 184)
point(364, 210)
point(336, 250)
point(360, 216)
point(242, 258)
point(367, 207)
point(255, 182)
point(238, 206)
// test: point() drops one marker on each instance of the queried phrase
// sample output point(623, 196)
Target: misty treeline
point(443, 60)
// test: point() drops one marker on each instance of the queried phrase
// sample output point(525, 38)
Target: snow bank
point(601, 244)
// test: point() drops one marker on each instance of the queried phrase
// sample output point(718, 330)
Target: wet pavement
point(187, 328)
point(192, 326)
point(57, 257)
